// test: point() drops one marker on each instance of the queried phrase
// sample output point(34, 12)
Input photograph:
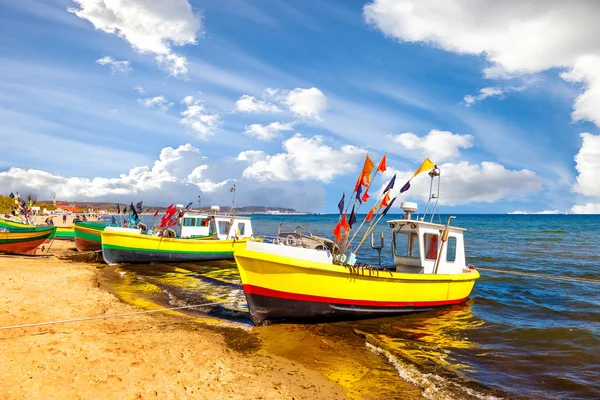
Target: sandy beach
point(146, 356)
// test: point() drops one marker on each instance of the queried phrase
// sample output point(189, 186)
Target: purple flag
point(358, 193)
point(390, 185)
point(405, 187)
point(341, 204)
point(388, 207)
point(352, 219)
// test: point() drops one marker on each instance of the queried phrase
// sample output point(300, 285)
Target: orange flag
point(386, 200)
point(337, 232)
point(382, 164)
point(365, 176)
point(370, 214)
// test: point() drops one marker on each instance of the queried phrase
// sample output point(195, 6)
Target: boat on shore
point(65, 233)
point(288, 280)
point(24, 241)
point(61, 233)
point(198, 237)
point(88, 235)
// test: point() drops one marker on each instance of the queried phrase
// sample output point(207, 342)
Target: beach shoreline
point(144, 356)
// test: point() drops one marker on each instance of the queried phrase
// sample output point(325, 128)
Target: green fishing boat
point(88, 235)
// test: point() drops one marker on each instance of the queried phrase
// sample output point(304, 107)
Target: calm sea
point(516, 337)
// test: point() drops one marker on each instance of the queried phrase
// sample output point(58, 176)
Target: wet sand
point(139, 357)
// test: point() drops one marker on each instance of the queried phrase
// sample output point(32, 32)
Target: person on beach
point(50, 221)
point(64, 218)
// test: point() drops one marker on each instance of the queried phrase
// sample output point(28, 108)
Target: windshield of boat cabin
point(406, 244)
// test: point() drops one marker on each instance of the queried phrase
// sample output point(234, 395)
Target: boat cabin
point(202, 225)
point(419, 247)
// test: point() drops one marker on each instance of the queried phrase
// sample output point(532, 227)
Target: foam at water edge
point(433, 387)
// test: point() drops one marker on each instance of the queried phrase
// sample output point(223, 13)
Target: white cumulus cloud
point(268, 132)
point(178, 175)
point(303, 159)
point(198, 119)
point(588, 166)
point(250, 104)
point(517, 37)
point(117, 67)
point(305, 103)
point(463, 183)
point(437, 145)
point(151, 27)
point(587, 208)
point(159, 102)
point(483, 94)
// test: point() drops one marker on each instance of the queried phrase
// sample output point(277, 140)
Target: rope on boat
point(65, 321)
point(561, 278)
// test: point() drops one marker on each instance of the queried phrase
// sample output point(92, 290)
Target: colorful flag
point(365, 176)
point(390, 185)
point(386, 200)
point(405, 187)
point(352, 219)
point(113, 220)
point(388, 207)
point(133, 211)
point(118, 209)
point(138, 206)
point(426, 166)
point(358, 190)
point(232, 189)
point(370, 214)
point(189, 205)
point(341, 203)
point(337, 232)
point(11, 195)
point(156, 213)
point(365, 196)
point(382, 164)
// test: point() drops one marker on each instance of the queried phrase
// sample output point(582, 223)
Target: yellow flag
point(426, 166)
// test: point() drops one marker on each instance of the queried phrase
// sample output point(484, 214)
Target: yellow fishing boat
point(283, 282)
point(199, 237)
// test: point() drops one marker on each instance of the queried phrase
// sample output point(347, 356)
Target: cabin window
point(224, 227)
point(202, 222)
point(451, 252)
point(241, 228)
point(406, 244)
point(431, 243)
point(189, 222)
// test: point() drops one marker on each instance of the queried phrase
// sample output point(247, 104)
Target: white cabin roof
point(396, 223)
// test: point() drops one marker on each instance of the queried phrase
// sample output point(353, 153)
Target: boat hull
point(24, 242)
point(133, 248)
point(280, 289)
point(64, 233)
point(88, 235)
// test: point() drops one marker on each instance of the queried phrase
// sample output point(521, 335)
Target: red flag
point(337, 232)
point(366, 195)
point(156, 213)
point(382, 167)
point(370, 214)
point(386, 200)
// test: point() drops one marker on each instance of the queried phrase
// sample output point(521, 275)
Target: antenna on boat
point(378, 246)
point(433, 194)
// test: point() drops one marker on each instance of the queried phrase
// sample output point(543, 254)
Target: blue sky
point(76, 129)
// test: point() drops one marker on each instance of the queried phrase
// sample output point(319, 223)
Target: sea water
point(516, 337)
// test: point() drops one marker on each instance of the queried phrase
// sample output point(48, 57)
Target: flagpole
point(345, 246)
point(369, 230)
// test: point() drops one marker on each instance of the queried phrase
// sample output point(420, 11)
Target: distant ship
point(277, 212)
